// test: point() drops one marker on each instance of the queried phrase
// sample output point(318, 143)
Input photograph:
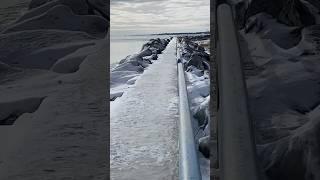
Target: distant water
point(123, 45)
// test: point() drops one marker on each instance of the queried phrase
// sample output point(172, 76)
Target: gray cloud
point(113, 2)
point(160, 15)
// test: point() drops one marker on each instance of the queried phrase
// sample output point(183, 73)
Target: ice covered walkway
point(144, 132)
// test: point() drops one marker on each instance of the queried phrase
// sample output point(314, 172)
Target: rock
point(154, 57)
point(156, 44)
point(114, 96)
point(289, 12)
point(195, 71)
point(141, 60)
point(197, 60)
point(145, 52)
point(202, 113)
point(204, 146)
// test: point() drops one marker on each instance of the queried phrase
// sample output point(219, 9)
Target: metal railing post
point(189, 168)
point(237, 154)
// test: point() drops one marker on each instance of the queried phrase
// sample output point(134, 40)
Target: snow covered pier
point(144, 129)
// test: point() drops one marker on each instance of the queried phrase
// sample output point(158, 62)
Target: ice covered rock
point(137, 62)
point(192, 54)
point(204, 146)
point(196, 71)
point(157, 45)
point(201, 113)
point(115, 95)
point(199, 60)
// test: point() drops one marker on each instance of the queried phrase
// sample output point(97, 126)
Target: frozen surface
point(283, 93)
point(144, 132)
point(56, 119)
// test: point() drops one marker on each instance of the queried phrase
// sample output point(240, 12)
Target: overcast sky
point(157, 16)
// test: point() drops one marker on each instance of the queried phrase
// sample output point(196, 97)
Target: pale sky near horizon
point(159, 16)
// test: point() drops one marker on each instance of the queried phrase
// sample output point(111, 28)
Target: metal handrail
point(189, 168)
point(237, 154)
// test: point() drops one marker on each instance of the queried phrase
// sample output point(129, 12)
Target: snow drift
point(60, 72)
point(281, 62)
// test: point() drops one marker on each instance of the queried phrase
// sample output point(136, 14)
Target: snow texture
point(144, 123)
point(59, 73)
point(282, 74)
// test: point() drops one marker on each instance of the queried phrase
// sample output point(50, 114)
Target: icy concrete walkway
point(144, 132)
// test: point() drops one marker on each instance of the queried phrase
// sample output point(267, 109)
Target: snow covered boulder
point(201, 113)
point(62, 17)
point(158, 44)
point(199, 61)
point(154, 57)
point(115, 95)
point(131, 63)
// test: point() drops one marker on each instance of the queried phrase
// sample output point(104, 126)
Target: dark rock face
point(204, 147)
point(194, 55)
point(156, 45)
point(198, 60)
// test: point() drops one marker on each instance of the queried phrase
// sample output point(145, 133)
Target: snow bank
point(10, 111)
point(68, 67)
point(62, 17)
point(49, 37)
point(284, 96)
point(126, 72)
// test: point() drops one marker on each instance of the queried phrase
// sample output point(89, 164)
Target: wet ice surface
point(143, 127)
